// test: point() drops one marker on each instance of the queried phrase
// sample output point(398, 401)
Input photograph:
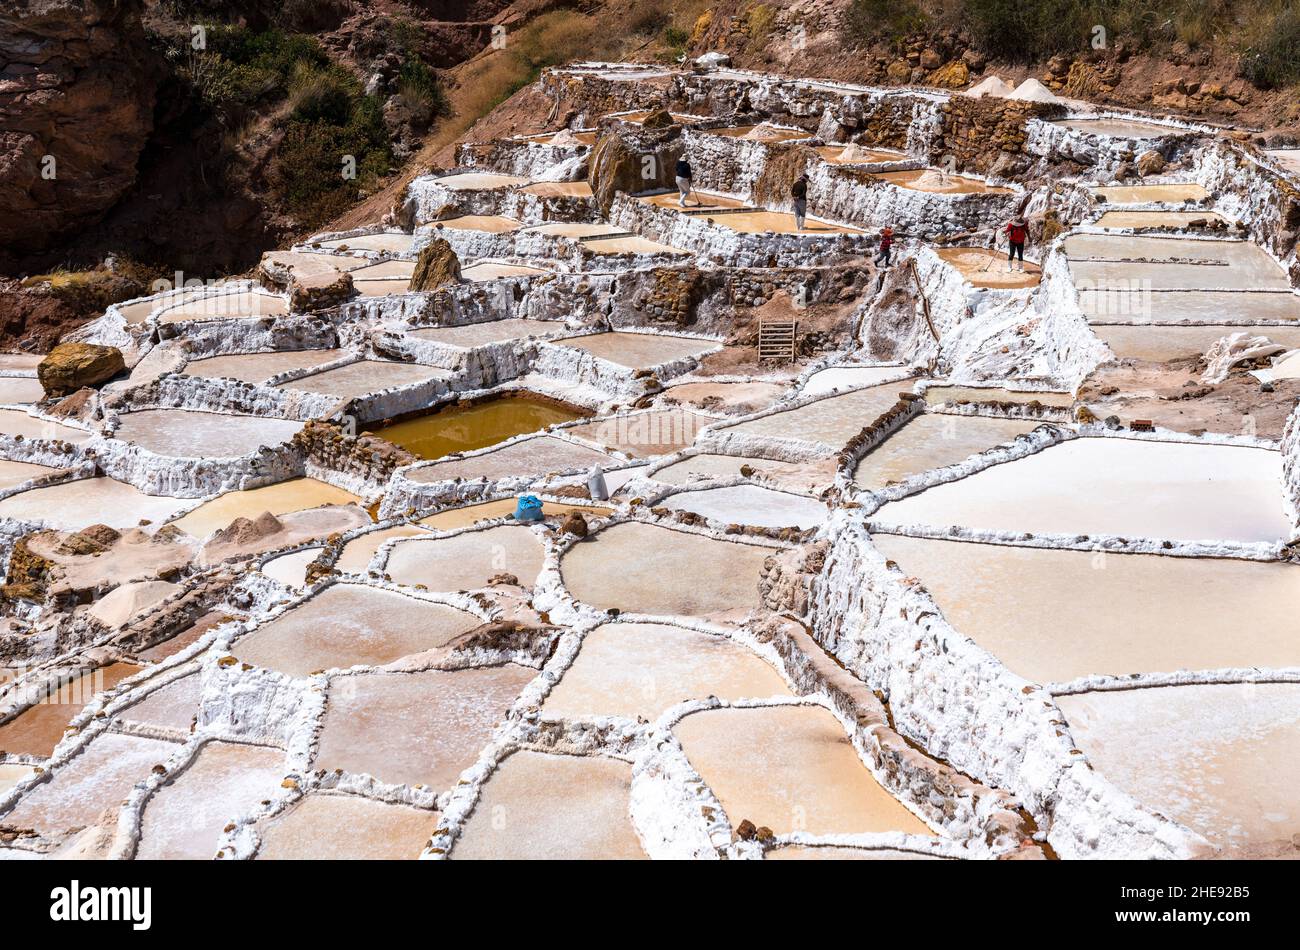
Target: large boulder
point(312, 281)
point(71, 366)
point(436, 266)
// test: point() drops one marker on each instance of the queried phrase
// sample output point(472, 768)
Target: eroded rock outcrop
point(76, 108)
point(633, 160)
point(436, 266)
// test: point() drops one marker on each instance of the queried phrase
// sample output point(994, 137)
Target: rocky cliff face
point(77, 87)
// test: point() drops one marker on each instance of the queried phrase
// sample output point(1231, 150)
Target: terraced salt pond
point(1167, 343)
point(1140, 194)
point(940, 182)
point(1140, 304)
point(329, 827)
point(467, 561)
point(186, 433)
point(641, 669)
point(724, 466)
point(259, 367)
point(295, 494)
point(1160, 263)
point(495, 270)
point(185, 817)
point(39, 728)
point(416, 728)
point(849, 377)
point(71, 506)
point(466, 427)
point(988, 268)
point(349, 625)
point(171, 707)
point(828, 422)
point(219, 306)
point(1157, 219)
point(364, 377)
point(790, 768)
point(494, 331)
point(15, 390)
point(1231, 776)
point(749, 505)
point(939, 395)
point(1053, 616)
point(640, 350)
point(1120, 128)
point(14, 422)
point(13, 474)
point(643, 434)
point(1124, 487)
point(556, 807)
point(291, 569)
point(643, 568)
point(527, 457)
point(739, 398)
point(391, 242)
point(933, 441)
point(95, 780)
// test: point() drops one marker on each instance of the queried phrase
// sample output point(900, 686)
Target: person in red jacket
point(886, 245)
point(1017, 232)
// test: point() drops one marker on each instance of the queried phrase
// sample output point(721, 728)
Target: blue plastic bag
point(529, 508)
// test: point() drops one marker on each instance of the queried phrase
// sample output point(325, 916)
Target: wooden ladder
point(777, 340)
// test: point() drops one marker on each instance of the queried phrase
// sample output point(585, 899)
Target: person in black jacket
point(799, 192)
point(684, 181)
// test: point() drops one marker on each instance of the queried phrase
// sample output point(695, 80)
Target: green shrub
point(1271, 58)
point(325, 94)
point(891, 20)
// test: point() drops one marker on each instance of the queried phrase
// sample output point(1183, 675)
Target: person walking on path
point(886, 245)
point(684, 182)
point(799, 192)
point(1017, 231)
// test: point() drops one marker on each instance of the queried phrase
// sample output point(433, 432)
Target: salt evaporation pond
point(830, 422)
point(1119, 128)
point(724, 466)
point(97, 779)
point(639, 350)
point(645, 568)
point(1166, 343)
point(552, 807)
point(20, 389)
point(467, 515)
point(170, 707)
point(295, 494)
point(1164, 264)
point(185, 433)
point(327, 827)
point(463, 428)
point(364, 377)
point(481, 334)
point(790, 768)
point(983, 267)
point(185, 817)
point(641, 669)
point(358, 552)
point(259, 367)
point(525, 458)
point(13, 474)
point(15, 422)
point(349, 625)
point(749, 505)
point(392, 242)
point(1222, 759)
point(933, 441)
point(416, 728)
point(738, 397)
point(939, 395)
point(1053, 616)
point(467, 561)
point(222, 306)
point(1156, 219)
point(39, 728)
point(642, 434)
point(849, 377)
point(1125, 487)
point(71, 506)
point(937, 181)
point(1141, 194)
point(291, 569)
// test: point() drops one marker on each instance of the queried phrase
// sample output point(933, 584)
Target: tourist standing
point(799, 192)
point(684, 182)
point(1017, 231)
point(886, 245)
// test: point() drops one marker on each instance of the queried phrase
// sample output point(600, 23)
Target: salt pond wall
point(967, 709)
point(1291, 471)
